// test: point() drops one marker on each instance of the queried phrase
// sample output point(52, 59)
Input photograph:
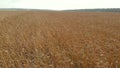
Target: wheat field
point(57, 39)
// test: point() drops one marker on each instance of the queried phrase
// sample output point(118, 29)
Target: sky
point(59, 4)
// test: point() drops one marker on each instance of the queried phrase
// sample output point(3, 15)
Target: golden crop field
point(57, 39)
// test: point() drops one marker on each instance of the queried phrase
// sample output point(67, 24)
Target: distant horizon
point(58, 10)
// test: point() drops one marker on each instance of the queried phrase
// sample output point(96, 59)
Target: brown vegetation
point(37, 39)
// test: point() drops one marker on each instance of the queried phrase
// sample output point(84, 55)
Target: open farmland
point(51, 39)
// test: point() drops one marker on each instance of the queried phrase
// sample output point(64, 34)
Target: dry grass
point(34, 39)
